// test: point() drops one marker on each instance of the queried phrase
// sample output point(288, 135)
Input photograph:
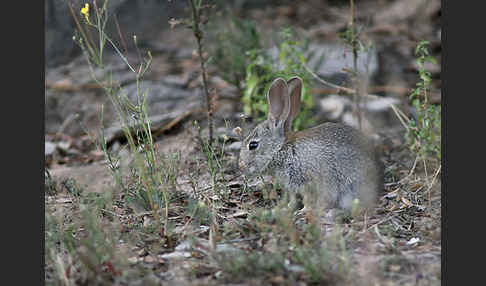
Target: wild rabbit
point(335, 161)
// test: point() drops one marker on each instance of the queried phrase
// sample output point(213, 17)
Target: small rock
point(333, 106)
point(377, 114)
point(295, 268)
point(64, 146)
point(235, 146)
point(147, 221)
point(336, 57)
point(277, 279)
point(133, 260)
point(148, 259)
point(49, 148)
point(184, 246)
point(176, 255)
point(395, 268)
point(226, 248)
point(413, 240)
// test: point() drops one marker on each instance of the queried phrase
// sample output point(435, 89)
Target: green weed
point(234, 40)
point(69, 185)
point(214, 155)
point(263, 69)
point(150, 178)
point(50, 185)
point(198, 212)
point(254, 264)
point(352, 38)
point(424, 133)
point(292, 251)
point(243, 61)
point(82, 245)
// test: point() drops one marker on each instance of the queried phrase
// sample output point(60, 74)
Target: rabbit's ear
point(278, 103)
point(295, 91)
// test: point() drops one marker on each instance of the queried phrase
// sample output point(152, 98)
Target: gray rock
point(144, 18)
point(60, 105)
point(163, 98)
point(335, 57)
point(61, 108)
point(376, 112)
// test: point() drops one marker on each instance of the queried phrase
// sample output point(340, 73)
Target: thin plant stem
point(198, 35)
point(81, 30)
point(354, 47)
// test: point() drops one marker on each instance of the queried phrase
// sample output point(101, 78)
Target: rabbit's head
point(262, 144)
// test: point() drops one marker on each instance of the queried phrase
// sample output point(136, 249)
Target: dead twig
point(400, 115)
point(326, 83)
point(432, 183)
point(380, 222)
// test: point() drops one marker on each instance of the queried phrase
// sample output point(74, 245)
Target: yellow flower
point(85, 11)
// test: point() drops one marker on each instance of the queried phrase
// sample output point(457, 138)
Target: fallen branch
point(173, 122)
point(159, 124)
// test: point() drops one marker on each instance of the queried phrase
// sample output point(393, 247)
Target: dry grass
point(230, 231)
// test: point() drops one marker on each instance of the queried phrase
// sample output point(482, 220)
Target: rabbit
point(335, 161)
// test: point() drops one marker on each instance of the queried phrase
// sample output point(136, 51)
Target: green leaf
point(431, 59)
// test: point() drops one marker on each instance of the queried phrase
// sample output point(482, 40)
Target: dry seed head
point(237, 130)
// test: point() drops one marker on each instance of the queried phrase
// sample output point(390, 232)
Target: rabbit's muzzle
point(242, 166)
point(245, 169)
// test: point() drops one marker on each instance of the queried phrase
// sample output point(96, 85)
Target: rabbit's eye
point(252, 145)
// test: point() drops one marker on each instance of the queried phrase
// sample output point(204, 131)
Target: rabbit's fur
point(333, 161)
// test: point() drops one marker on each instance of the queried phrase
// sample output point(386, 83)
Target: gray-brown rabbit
point(334, 161)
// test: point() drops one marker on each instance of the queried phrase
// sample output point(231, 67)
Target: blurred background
point(245, 43)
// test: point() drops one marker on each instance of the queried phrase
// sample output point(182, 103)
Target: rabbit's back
point(336, 158)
